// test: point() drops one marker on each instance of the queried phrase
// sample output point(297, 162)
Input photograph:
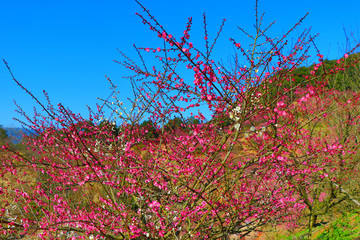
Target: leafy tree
point(222, 120)
point(149, 129)
point(110, 126)
point(348, 79)
point(193, 121)
point(174, 124)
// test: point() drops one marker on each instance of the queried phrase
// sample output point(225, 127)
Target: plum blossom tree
point(93, 178)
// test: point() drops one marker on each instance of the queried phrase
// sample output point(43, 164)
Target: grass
point(345, 227)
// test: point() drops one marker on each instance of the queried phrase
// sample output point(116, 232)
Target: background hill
point(15, 134)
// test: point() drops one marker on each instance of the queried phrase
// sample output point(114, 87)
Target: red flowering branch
point(259, 159)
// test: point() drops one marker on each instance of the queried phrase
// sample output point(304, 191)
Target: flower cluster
point(105, 178)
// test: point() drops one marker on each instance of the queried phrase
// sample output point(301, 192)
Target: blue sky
point(66, 47)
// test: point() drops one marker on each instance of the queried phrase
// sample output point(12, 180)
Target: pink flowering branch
point(259, 159)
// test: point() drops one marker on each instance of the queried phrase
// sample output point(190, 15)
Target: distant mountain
point(15, 134)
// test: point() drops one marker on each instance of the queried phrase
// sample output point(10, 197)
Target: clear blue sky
point(66, 47)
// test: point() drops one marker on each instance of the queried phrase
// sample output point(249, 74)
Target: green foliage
point(175, 123)
point(192, 121)
point(342, 229)
point(222, 120)
point(3, 134)
point(150, 129)
point(349, 79)
point(106, 124)
point(346, 227)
